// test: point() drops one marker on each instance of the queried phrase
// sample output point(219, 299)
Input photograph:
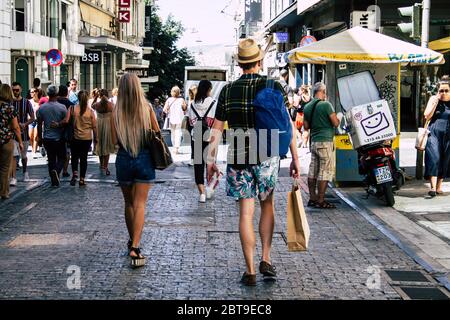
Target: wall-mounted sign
point(124, 15)
point(54, 57)
point(281, 37)
point(124, 3)
point(91, 57)
point(365, 19)
point(141, 73)
point(306, 40)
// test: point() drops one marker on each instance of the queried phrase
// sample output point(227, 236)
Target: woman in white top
point(114, 93)
point(175, 108)
point(201, 112)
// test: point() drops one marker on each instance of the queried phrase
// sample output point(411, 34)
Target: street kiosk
point(362, 68)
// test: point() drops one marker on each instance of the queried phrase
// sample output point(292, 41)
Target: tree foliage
point(167, 61)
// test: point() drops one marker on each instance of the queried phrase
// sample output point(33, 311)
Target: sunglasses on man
point(15, 90)
point(443, 91)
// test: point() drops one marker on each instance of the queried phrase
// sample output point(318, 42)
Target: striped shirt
point(25, 111)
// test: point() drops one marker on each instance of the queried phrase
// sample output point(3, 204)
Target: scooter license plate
point(383, 174)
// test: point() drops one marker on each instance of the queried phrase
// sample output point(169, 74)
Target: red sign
point(124, 16)
point(306, 40)
point(54, 57)
point(124, 3)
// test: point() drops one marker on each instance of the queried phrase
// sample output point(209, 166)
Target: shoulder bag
point(422, 134)
point(158, 148)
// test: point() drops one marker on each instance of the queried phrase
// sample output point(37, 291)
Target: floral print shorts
point(256, 180)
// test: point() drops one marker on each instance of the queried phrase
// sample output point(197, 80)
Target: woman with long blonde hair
point(132, 119)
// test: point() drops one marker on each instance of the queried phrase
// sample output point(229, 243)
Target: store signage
point(54, 57)
point(253, 10)
point(124, 3)
point(281, 37)
point(91, 57)
point(141, 73)
point(364, 19)
point(124, 14)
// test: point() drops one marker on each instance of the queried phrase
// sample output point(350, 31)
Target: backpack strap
point(195, 111)
point(312, 112)
point(210, 107)
point(206, 113)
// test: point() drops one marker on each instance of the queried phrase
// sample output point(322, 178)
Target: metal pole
point(423, 78)
point(308, 33)
point(425, 22)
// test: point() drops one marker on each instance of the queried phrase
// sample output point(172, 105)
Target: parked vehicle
point(382, 176)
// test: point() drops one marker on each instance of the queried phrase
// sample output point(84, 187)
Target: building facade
point(36, 26)
point(5, 41)
point(113, 46)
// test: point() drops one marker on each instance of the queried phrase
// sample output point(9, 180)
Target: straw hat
point(249, 51)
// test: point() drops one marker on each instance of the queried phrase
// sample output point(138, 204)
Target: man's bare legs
point(266, 227)
point(247, 233)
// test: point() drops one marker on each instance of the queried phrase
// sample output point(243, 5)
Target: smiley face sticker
point(375, 123)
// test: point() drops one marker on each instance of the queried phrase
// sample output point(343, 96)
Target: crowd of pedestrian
point(61, 123)
point(66, 124)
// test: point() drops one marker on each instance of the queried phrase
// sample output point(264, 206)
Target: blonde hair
point(192, 92)
point(132, 114)
point(175, 92)
point(115, 91)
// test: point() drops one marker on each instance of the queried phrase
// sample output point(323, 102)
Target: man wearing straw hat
point(246, 179)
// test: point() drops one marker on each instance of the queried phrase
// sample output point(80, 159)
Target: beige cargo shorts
point(322, 165)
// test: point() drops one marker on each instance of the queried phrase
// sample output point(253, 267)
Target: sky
point(202, 20)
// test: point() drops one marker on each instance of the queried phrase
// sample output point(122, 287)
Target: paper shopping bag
point(422, 137)
point(297, 224)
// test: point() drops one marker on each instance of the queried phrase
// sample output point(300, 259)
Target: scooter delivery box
point(369, 123)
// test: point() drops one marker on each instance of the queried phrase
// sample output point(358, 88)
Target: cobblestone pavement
point(193, 249)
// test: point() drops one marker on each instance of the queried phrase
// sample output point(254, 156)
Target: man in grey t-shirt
point(48, 115)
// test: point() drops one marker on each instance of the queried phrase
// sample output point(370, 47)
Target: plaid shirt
point(235, 105)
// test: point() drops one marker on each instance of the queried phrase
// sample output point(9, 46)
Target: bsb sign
point(124, 15)
point(91, 57)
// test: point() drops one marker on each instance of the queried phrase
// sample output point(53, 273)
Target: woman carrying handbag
point(131, 123)
point(437, 150)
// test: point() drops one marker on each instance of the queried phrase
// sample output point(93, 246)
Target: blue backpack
point(271, 113)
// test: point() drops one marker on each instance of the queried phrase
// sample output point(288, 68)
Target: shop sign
point(281, 37)
point(124, 14)
point(364, 19)
point(91, 57)
point(141, 73)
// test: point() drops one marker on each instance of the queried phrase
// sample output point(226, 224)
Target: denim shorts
point(131, 170)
